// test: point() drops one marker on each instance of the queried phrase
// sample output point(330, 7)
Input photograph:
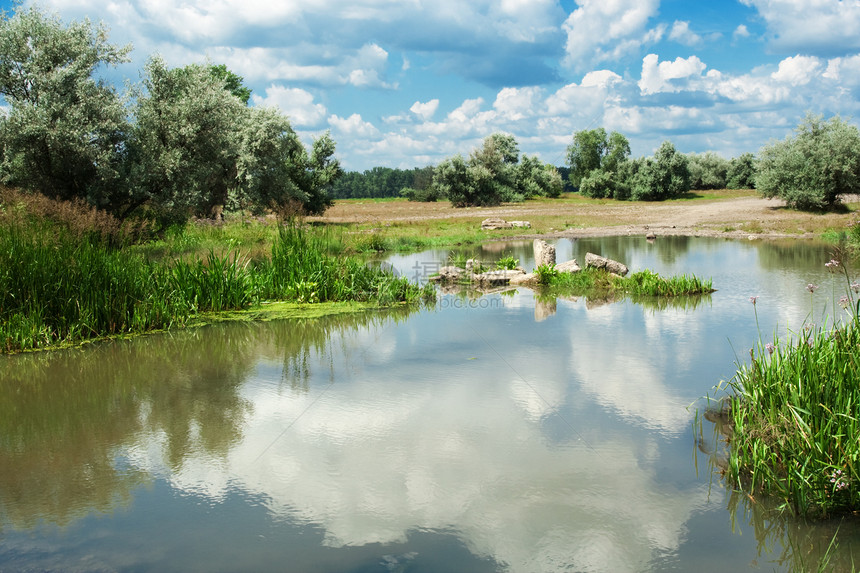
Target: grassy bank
point(794, 411)
point(599, 283)
point(60, 284)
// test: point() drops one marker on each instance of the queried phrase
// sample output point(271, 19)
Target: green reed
point(54, 289)
point(598, 282)
point(795, 411)
point(58, 288)
point(301, 269)
point(648, 283)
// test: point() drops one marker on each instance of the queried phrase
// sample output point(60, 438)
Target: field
point(725, 213)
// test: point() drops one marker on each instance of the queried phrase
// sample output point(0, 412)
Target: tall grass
point(300, 269)
point(58, 285)
point(796, 416)
point(54, 289)
point(598, 282)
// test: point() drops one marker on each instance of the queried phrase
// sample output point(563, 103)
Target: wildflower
point(855, 286)
point(844, 301)
point(753, 299)
point(770, 348)
point(811, 287)
point(838, 480)
point(832, 264)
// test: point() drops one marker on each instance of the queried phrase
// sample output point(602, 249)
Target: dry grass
point(724, 213)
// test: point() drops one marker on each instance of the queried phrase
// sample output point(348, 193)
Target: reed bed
point(60, 286)
point(649, 283)
point(794, 410)
point(598, 282)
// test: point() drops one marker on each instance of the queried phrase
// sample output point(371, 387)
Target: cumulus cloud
point(517, 103)
point(819, 27)
point(668, 76)
point(797, 70)
point(425, 110)
point(353, 126)
point(598, 31)
point(741, 32)
point(682, 34)
point(297, 103)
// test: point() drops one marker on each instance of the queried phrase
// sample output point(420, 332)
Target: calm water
point(506, 432)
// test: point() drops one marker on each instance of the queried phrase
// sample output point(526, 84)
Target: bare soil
point(727, 214)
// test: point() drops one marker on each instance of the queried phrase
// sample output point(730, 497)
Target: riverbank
point(722, 213)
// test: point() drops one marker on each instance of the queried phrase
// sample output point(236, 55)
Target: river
point(503, 432)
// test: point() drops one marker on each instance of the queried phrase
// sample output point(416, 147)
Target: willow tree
point(65, 129)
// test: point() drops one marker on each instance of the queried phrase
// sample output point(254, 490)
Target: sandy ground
point(747, 216)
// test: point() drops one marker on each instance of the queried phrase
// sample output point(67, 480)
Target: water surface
point(502, 433)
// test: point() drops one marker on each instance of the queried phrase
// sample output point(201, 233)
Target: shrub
point(741, 173)
point(666, 176)
point(708, 171)
point(811, 170)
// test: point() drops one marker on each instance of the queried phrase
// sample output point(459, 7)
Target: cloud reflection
point(377, 454)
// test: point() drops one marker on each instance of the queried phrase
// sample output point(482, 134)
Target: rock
point(520, 224)
point(525, 279)
point(494, 223)
point(598, 262)
point(570, 266)
point(501, 277)
point(651, 236)
point(470, 265)
point(544, 253)
point(449, 274)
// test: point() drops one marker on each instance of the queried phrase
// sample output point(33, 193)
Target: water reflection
point(506, 431)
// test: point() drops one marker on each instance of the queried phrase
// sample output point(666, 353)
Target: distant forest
point(382, 182)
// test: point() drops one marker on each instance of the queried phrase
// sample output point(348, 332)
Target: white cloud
point(661, 76)
point(353, 125)
point(740, 32)
point(682, 34)
point(797, 70)
point(826, 27)
point(517, 103)
point(425, 110)
point(599, 30)
point(297, 103)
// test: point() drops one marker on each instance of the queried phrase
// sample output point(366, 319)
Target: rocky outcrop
point(494, 223)
point(570, 266)
point(597, 262)
point(544, 253)
point(500, 277)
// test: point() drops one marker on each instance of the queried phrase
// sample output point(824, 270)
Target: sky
point(407, 83)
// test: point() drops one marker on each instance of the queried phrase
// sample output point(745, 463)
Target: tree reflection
point(68, 417)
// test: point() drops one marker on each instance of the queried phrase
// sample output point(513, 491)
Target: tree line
point(181, 143)
point(184, 142)
point(810, 170)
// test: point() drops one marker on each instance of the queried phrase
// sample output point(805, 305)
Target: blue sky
point(406, 83)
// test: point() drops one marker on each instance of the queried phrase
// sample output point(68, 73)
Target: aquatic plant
point(58, 287)
point(508, 262)
point(546, 274)
point(794, 410)
point(650, 283)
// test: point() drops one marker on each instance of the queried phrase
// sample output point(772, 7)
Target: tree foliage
point(666, 176)
point(65, 129)
point(494, 173)
point(233, 83)
point(185, 144)
point(708, 170)
point(593, 150)
point(741, 173)
point(812, 169)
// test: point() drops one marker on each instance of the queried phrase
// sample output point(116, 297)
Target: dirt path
point(729, 216)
